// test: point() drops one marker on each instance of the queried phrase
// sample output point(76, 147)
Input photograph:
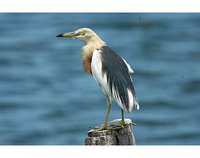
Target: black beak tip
point(59, 35)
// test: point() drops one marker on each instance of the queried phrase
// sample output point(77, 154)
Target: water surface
point(46, 99)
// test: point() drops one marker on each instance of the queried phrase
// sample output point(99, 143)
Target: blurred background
point(47, 99)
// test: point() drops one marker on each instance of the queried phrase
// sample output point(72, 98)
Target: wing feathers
point(112, 73)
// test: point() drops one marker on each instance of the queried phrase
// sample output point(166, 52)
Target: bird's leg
point(107, 113)
point(104, 127)
point(123, 122)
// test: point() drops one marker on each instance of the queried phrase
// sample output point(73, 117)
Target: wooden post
point(115, 136)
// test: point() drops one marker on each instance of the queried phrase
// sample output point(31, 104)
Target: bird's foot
point(122, 124)
point(95, 129)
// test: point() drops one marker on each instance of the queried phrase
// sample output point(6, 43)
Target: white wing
point(96, 67)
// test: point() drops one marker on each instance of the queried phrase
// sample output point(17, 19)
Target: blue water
point(46, 99)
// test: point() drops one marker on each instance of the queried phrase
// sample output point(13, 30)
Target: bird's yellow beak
point(70, 34)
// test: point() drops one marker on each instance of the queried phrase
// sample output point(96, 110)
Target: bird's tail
point(133, 102)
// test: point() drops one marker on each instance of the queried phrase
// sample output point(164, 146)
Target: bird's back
point(112, 73)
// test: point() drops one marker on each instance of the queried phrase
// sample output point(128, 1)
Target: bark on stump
point(115, 136)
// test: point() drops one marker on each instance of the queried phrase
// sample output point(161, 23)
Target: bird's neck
point(87, 52)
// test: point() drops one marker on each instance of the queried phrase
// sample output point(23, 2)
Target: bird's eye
point(82, 33)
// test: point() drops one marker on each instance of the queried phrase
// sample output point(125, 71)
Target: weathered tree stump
point(115, 136)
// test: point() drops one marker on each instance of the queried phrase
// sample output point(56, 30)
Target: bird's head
point(84, 34)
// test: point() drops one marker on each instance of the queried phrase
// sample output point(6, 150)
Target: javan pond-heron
point(108, 69)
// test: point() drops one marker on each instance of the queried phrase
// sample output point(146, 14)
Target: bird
point(110, 71)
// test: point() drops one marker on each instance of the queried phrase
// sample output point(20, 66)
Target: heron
point(111, 72)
